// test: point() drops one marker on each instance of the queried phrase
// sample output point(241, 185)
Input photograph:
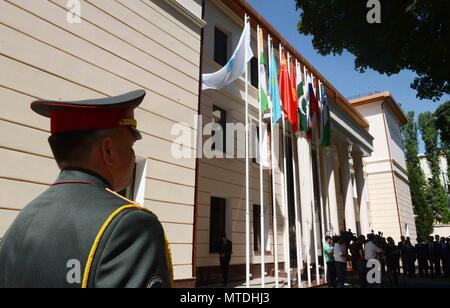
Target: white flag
point(235, 66)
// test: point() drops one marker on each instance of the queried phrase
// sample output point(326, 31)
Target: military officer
point(80, 232)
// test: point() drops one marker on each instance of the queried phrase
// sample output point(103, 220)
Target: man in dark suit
point(437, 253)
point(422, 252)
point(401, 246)
point(434, 256)
point(225, 251)
point(444, 251)
point(80, 232)
point(447, 257)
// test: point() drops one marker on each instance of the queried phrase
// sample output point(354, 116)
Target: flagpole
point(274, 197)
point(308, 254)
point(320, 181)
point(247, 179)
point(261, 173)
point(294, 167)
point(314, 207)
point(286, 207)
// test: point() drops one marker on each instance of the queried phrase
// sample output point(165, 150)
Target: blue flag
point(274, 90)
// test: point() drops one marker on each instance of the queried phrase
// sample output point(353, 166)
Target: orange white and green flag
point(263, 74)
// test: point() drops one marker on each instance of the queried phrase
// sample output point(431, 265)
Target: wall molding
point(394, 162)
point(186, 13)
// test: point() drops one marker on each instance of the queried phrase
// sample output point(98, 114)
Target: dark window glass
point(254, 72)
point(254, 135)
point(220, 117)
point(216, 223)
point(256, 227)
point(220, 47)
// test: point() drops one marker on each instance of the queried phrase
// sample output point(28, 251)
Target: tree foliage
point(417, 181)
point(413, 35)
point(436, 194)
point(442, 116)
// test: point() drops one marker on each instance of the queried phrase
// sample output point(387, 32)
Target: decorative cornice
point(383, 97)
point(389, 173)
point(186, 13)
point(342, 122)
point(394, 162)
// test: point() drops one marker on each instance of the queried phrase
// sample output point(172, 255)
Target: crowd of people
point(360, 255)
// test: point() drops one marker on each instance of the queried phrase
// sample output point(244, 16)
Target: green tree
point(436, 194)
point(442, 115)
point(413, 35)
point(417, 181)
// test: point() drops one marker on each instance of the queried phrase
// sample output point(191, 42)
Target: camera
point(347, 237)
point(377, 239)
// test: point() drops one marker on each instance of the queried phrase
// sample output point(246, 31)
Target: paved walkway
point(256, 283)
point(412, 283)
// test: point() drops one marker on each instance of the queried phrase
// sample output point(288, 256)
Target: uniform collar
point(74, 175)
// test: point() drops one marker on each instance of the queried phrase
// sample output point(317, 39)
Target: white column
point(362, 192)
point(305, 168)
point(332, 199)
point(350, 219)
point(298, 233)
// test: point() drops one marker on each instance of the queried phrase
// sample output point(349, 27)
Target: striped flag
point(294, 107)
point(287, 98)
point(303, 101)
point(263, 75)
point(325, 140)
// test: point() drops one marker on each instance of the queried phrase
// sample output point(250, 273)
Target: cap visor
point(136, 133)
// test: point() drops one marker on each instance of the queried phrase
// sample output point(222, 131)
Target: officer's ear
point(107, 150)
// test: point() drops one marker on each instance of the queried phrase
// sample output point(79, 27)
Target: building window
point(220, 47)
point(254, 139)
point(216, 223)
point(136, 190)
point(256, 227)
point(254, 76)
point(220, 117)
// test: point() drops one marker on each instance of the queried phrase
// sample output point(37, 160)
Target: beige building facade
point(332, 181)
point(117, 46)
point(357, 183)
point(390, 205)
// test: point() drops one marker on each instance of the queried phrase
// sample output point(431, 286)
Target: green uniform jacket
point(79, 234)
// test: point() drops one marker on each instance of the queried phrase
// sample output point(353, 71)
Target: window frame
point(223, 125)
point(219, 58)
point(254, 72)
point(215, 236)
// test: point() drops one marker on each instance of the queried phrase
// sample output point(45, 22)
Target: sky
point(340, 70)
